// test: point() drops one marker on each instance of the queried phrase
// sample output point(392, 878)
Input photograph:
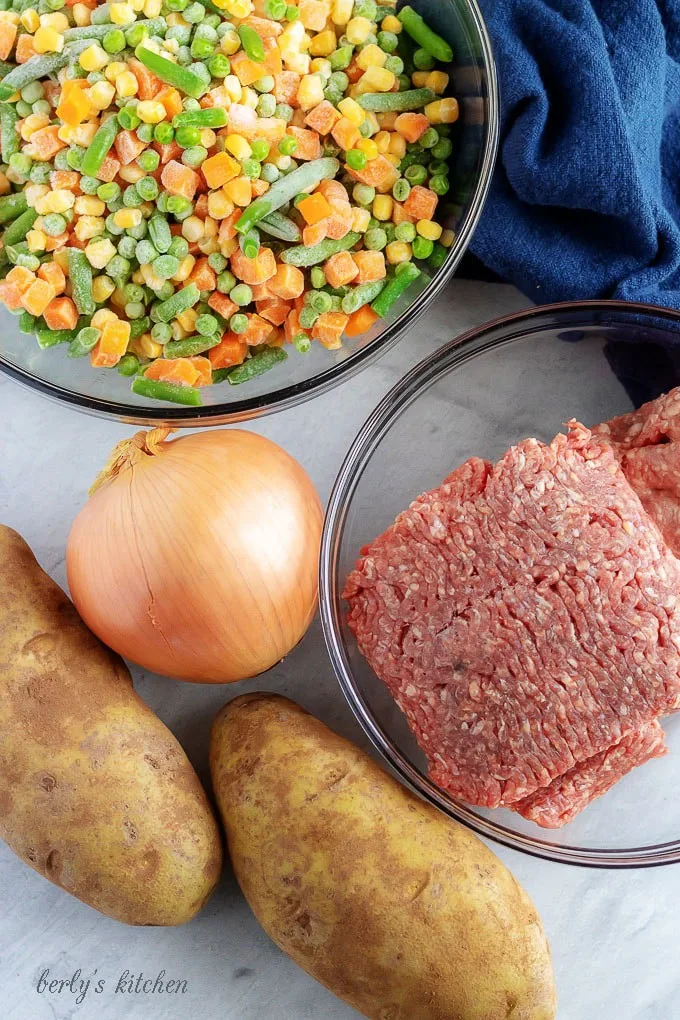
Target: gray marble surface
point(614, 935)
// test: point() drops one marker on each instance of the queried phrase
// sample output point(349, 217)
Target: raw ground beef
point(525, 617)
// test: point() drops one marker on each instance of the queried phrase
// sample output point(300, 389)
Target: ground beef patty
point(525, 617)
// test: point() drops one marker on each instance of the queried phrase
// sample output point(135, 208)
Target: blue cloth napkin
point(585, 200)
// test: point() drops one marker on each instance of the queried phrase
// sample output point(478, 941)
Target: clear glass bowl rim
point(289, 396)
point(451, 355)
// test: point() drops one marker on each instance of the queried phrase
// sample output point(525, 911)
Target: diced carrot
point(314, 208)
point(244, 121)
point(179, 179)
point(38, 296)
point(313, 235)
point(111, 345)
point(222, 304)
point(340, 220)
point(25, 48)
point(340, 269)
point(52, 90)
point(354, 72)
point(378, 173)
point(61, 313)
point(322, 117)
point(399, 215)
point(328, 329)
point(54, 243)
point(67, 179)
point(201, 207)
point(308, 143)
point(148, 85)
point(203, 276)
point(52, 273)
point(286, 85)
point(10, 295)
point(227, 228)
point(273, 310)
point(360, 321)
point(291, 326)
point(314, 14)
point(171, 100)
point(411, 126)
point(231, 350)
point(108, 171)
point(247, 71)
point(175, 370)
point(261, 291)
point(257, 332)
point(256, 270)
point(265, 27)
point(371, 266)
point(171, 150)
point(5, 186)
point(128, 146)
point(276, 338)
point(21, 278)
point(220, 169)
point(421, 203)
point(345, 133)
point(287, 283)
point(258, 187)
point(333, 190)
point(204, 369)
point(272, 56)
point(298, 118)
point(45, 143)
point(8, 33)
point(74, 106)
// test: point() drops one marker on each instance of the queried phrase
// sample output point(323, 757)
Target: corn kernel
point(239, 191)
point(84, 133)
point(249, 97)
point(102, 289)
point(48, 40)
point(375, 79)
point(61, 258)
point(81, 15)
point(192, 228)
point(371, 56)
point(11, 17)
point(171, 45)
point(32, 123)
point(430, 230)
point(391, 24)
point(397, 145)
point(418, 79)
point(30, 20)
point(447, 238)
point(310, 91)
point(382, 207)
point(88, 227)
point(228, 247)
point(208, 138)
point(219, 206)
point(341, 12)
point(94, 58)
point(89, 205)
point(372, 123)
point(151, 279)
point(238, 146)
point(358, 30)
point(55, 20)
point(60, 200)
point(137, 277)
point(387, 120)
point(398, 251)
point(321, 66)
point(239, 8)
point(350, 108)
point(121, 14)
point(233, 87)
point(131, 173)
point(391, 158)
point(187, 319)
point(367, 146)
point(101, 95)
point(115, 68)
point(442, 111)
point(36, 240)
point(100, 253)
point(102, 316)
point(127, 218)
point(437, 81)
point(324, 43)
point(118, 298)
point(150, 348)
point(360, 219)
point(230, 43)
point(298, 62)
point(382, 141)
point(209, 227)
point(208, 245)
point(185, 268)
point(150, 111)
point(152, 8)
point(137, 5)
point(35, 191)
point(126, 85)
point(174, 18)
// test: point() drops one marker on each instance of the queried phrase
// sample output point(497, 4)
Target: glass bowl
point(523, 375)
point(475, 138)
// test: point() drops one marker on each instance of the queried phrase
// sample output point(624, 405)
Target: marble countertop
point(613, 934)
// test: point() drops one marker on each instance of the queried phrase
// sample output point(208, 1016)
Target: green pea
point(388, 41)
point(219, 65)
point(32, 92)
point(363, 194)
point(283, 111)
point(287, 145)
point(217, 262)
point(134, 309)
point(163, 132)
point(179, 247)
point(421, 247)
point(317, 277)
point(238, 323)
point(147, 188)
point(114, 41)
point(405, 232)
point(266, 105)
point(251, 168)
point(54, 224)
point(430, 138)
point(341, 58)
point(145, 132)
point(128, 365)
point(194, 156)
point(423, 60)
point(148, 160)
point(270, 173)
point(356, 159)
point(415, 174)
point(439, 184)
point(241, 294)
point(264, 84)
point(127, 247)
point(339, 80)
point(165, 266)
point(443, 149)
point(375, 238)
point(161, 332)
point(207, 325)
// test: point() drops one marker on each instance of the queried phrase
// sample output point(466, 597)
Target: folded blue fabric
point(585, 200)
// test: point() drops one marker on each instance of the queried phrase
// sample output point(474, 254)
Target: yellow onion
point(197, 557)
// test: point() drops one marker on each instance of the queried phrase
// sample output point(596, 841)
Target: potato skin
point(397, 910)
point(95, 792)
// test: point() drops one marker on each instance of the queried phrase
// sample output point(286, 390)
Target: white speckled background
point(614, 934)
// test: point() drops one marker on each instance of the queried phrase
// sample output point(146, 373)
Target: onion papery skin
point(197, 557)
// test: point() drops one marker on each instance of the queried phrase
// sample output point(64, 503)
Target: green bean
point(10, 141)
point(99, 146)
point(40, 66)
point(5, 68)
point(16, 231)
point(159, 232)
point(139, 326)
point(278, 225)
point(154, 26)
point(213, 117)
point(303, 255)
point(263, 359)
point(185, 298)
point(250, 243)
point(172, 74)
point(251, 43)
point(361, 295)
point(51, 337)
point(12, 206)
point(424, 36)
point(83, 342)
point(394, 289)
point(190, 346)
point(411, 99)
point(286, 188)
point(156, 390)
point(80, 275)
